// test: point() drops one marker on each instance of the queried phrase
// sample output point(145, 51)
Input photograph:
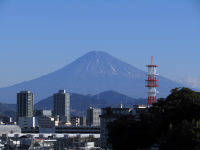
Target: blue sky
point(38, 37)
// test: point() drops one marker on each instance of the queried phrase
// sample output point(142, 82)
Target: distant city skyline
point(40, 37)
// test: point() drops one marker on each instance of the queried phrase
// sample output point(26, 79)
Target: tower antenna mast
point(152, 82)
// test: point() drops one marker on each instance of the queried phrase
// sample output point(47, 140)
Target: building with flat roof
point(47, 124)
point(93, 118)
point(25, 104)
point(61, 101)
point(39, 113)
point(27, 122)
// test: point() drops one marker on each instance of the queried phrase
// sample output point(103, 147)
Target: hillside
point(8, 110)
point(80, 103)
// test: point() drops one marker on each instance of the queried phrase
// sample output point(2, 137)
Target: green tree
point(127, 133)
point(173, 122)
point(181, 112)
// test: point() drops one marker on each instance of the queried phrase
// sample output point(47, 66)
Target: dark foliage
point(126, 133)
point(180, 137)
point(172, 122)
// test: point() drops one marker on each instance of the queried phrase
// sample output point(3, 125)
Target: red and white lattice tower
point(152, 83)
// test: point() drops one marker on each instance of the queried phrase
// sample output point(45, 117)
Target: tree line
point(172, 123)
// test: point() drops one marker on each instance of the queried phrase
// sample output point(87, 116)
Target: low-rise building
point(27, 122)
point(51, 141)
point(47, 124)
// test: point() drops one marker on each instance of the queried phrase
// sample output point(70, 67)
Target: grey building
point(39, 113)
point(24, 104)
point(83, 121)
point(93, 118)
point(61, 102)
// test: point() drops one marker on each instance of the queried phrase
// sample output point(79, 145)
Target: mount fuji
point(92, 73)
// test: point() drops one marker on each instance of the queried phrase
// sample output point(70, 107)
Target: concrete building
point(83, 121)
point(47, 124)
point(27, 122)
point(109, 115)
point(61, 102)
point(93, 118)
point(39, 113)
point(24, 104)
